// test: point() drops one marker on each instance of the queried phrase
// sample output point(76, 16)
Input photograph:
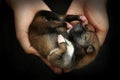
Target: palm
point(24, 13)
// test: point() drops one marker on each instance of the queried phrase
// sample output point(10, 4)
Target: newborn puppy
point(85, 41)
point(46, 34)
point(65, 48)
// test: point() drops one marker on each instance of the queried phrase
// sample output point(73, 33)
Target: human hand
point(24, 12)
point(96, 15)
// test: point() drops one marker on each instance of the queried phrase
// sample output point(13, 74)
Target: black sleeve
point(18, 65)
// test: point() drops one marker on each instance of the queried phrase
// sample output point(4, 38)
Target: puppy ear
point(90, 49)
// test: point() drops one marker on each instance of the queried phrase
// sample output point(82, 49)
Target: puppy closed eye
point(90, 49)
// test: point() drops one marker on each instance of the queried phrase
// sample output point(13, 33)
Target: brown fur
point(44, 41)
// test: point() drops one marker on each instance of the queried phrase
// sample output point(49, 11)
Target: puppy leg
point(56, 54)
point(55, 24)
point(83, 19)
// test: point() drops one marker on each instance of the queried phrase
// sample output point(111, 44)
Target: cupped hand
point(95, 12)
point(24, 11)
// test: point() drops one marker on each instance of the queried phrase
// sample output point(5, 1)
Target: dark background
point(15, 64)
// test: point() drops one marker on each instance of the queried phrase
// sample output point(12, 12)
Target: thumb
point(22, 20)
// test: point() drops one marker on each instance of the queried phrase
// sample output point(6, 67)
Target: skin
point(24, 11)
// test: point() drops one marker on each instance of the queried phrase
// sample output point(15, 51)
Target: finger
point(28, 49)
point(55, 69)
point(24, 41)
point(97, 17)
point(22, 21)
point(32, 5)
point(67, 70)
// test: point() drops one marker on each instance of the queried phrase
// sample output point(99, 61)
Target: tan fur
point(44, 43)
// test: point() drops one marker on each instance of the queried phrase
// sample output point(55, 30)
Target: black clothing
point(18, 65)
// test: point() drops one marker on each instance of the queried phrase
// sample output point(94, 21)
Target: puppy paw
point(69, 26)
point(53, 51)
point(60, 39)
point(84, 20)
point(54, 56)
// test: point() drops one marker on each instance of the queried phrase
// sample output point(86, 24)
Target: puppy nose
point(78, 29)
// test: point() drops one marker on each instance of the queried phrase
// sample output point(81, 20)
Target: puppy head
point(83, 51)
point(86, 44)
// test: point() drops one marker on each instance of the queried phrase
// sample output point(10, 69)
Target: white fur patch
point(70, 48)
point(60, 39)
point(69, 53)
